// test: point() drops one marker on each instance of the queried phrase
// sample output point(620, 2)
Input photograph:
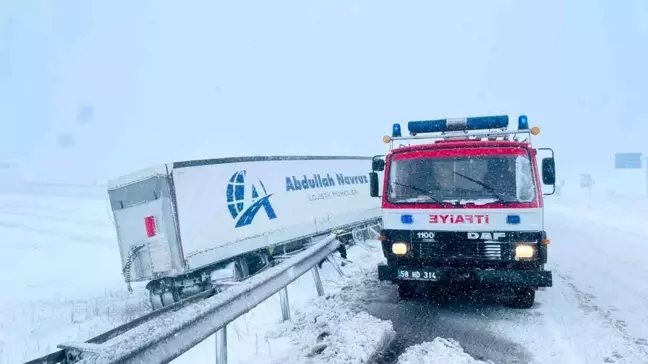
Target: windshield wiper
point(427, 193)
point(488, 188)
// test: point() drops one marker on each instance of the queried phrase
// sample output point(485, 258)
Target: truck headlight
point(399, 248)
point(524, 251)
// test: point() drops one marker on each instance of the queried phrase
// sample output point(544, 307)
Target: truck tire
point(156, 301)
point(524, 299)
point(406, 290)
point(257, 262)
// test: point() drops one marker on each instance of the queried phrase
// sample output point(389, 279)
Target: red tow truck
point(463, 205)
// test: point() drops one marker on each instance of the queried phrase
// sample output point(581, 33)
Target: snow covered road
point(596, 312)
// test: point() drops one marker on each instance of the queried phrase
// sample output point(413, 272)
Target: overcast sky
point(159, 81)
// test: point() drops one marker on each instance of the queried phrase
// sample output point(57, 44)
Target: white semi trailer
point(187, 226)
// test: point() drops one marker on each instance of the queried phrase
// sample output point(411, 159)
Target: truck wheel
point(358, 235)
point(156, 301)
point(170, 297)
point(257, 261)
point(523, 299)
point(406, 290)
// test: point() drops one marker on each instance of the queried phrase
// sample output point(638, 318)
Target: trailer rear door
point(145, 220)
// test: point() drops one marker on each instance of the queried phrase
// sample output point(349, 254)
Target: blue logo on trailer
point(627, 160)
point(235, 200)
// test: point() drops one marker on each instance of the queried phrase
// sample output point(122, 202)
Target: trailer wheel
point(169, 297)
point(258, 261)
point(524, 299)
point(359, 234)
point(156, 301)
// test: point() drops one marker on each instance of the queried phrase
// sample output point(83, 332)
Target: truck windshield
point(476, 179)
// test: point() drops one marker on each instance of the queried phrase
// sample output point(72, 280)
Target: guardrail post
point(221, 345)
point(285, 306)
point(318, 281)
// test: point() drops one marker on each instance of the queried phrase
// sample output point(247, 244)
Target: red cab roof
point(461, 143)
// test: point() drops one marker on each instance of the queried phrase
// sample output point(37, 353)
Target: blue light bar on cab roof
point(396, 130)
point(523, 122)
point(475, 123)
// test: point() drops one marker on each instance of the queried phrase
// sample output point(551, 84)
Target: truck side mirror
point(548, 171)
point(377, 164)
point(373, 184)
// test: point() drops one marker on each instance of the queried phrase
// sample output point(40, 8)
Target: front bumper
point(475, 276)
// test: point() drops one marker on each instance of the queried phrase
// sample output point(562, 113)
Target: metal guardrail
point(167, 333)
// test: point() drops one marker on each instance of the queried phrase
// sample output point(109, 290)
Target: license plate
point(418, 275)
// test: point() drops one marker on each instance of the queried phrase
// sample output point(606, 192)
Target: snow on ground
point(437, 352)
point(56, 247)
point(60, 273)
point(595, 312)
point(329, 329)
point(624, 213)
point(601, 265)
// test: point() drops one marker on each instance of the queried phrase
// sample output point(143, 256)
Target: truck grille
point(460, 250)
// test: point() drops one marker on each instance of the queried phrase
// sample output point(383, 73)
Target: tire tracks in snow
point(586, 302)
point(67, 235)
point(34, 207)
point(54, 218)
point(463, 316)
point(52, 214)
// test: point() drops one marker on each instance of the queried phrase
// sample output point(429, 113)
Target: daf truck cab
point(462, 204)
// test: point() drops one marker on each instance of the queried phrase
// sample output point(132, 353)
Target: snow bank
point(328, 333)
point(330, 329)
point(439, 351)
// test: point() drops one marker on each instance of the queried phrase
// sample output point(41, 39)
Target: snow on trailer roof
point(205, 162)
point(140, 175)
point(166, 169)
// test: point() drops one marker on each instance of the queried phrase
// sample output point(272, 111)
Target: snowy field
point(60, 273)
point(61, 276)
